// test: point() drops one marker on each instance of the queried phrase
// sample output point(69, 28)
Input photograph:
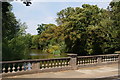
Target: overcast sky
point(45, 12)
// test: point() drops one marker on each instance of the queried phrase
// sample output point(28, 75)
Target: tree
point(85, 31)
point(114, 9)
point(77, 22)
point(52, 38)
point(9, 22)
point(14, 39)
point(41, 28)
point(35, 42)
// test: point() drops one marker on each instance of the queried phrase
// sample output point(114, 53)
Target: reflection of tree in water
point(38, 54)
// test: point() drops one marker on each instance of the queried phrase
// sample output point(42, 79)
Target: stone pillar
point(99, 59)
point(119, 65)
point(35, 65)
point(118, 58)
point(73, 61)
point(118, 52)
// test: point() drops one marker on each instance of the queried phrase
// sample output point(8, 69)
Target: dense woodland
point(86, 30)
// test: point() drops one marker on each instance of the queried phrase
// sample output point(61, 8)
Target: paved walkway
point(91, 72)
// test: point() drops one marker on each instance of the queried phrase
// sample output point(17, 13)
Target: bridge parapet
point(97, 60)
point(10, 68)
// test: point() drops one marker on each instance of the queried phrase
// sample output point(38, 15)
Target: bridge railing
point(28, 65)
point(56, 64)
point(97, 59)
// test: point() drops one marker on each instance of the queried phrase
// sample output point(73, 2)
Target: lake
point(38, 54)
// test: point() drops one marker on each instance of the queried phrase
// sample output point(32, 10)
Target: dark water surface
point(38, 54)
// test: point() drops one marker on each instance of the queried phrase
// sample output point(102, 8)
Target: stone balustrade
point(27, 65)
point(97, 59)
point(57, 64)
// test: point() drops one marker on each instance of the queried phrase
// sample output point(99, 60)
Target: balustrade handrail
point(98, 55)
point(36, 60)
point(63, 63)
point(33, 60)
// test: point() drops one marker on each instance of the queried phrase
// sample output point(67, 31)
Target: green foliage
point(9, 24)
point(114, 9)
point(55, 48)
point(41, 28)
point(49, 39)
point(77, 22)
point(15, 41)
point(86, 30)
point(35, 42)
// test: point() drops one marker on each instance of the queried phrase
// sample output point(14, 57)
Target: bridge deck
point(91, 72)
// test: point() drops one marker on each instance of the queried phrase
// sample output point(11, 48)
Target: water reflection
point(33, 54)
point(38, 54)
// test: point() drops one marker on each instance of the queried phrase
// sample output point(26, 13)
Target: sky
point(45, 12)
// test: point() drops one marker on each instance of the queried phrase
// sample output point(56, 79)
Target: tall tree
point(77, 22)
point(114, 8)
point(14, 42)
point(9, 22)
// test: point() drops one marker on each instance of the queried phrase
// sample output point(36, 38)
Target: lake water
point(38, 54)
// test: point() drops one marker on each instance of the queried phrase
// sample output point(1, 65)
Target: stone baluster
point(59, 63)
point(40, 64)
point(63, 62)
point(68, 63)
point(24, 67)
point(94, 60)
point(83, 61)
point(88, 61)
point(51, 63)
point(9, 68)
point(47, 64)
point(44, 64)
point(29, 66)
point(114, 58)
point(3, 69)
point(13, 68)
point(18, 68)
point(56, 63)
point(91, 61)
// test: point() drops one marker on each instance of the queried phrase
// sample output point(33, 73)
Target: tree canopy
point(15, 41)
point(86, 30)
